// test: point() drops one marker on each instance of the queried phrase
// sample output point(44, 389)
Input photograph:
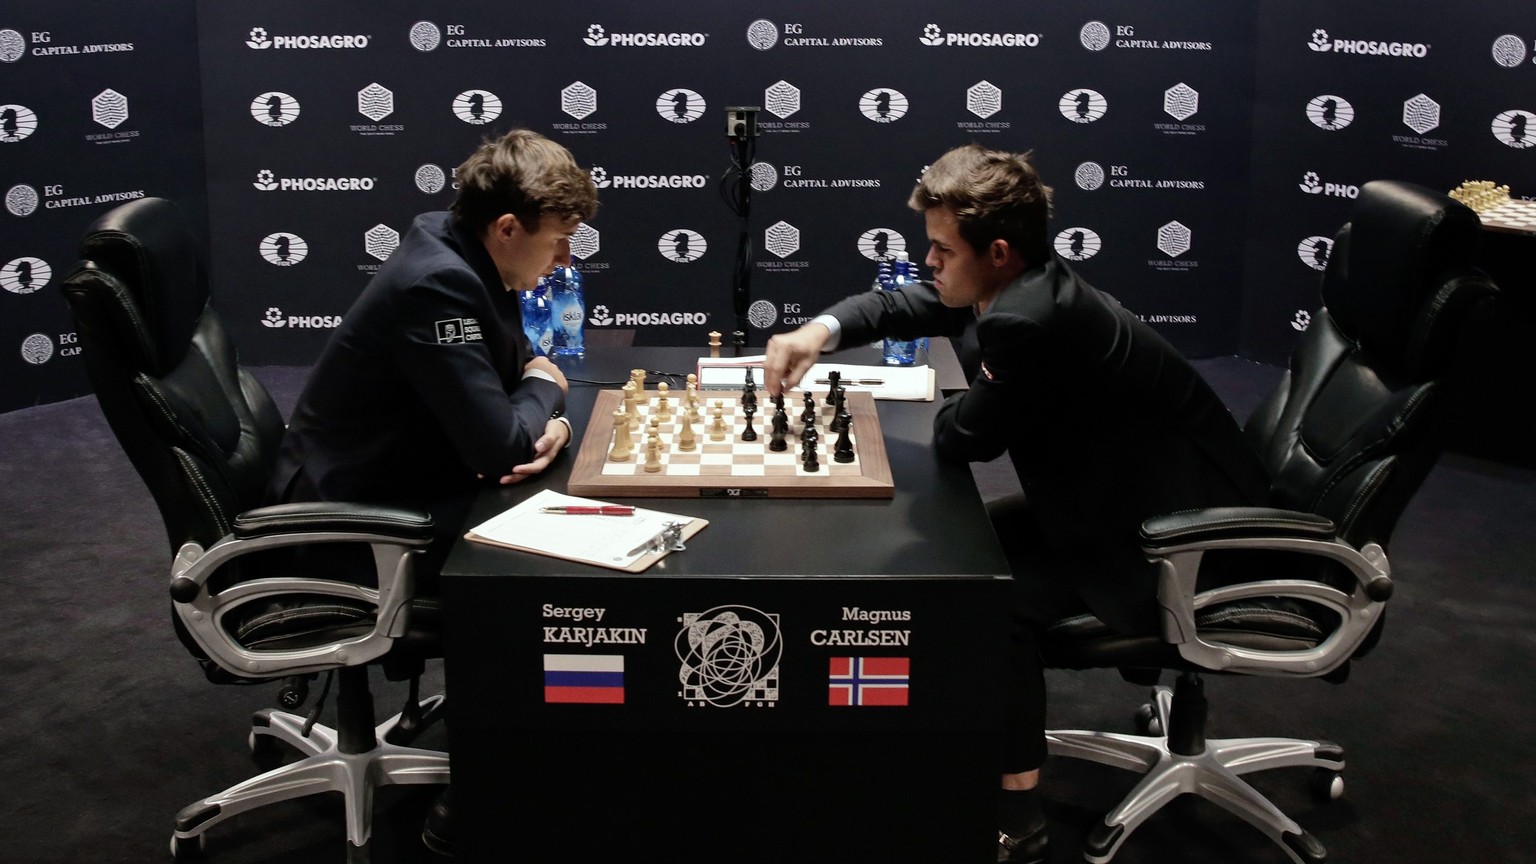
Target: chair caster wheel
point(1326, 784)
point(1146, 720)
point(187, 848)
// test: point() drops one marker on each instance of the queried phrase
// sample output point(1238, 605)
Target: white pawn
point(653, 455)
point(663, 407)
point(717, 429)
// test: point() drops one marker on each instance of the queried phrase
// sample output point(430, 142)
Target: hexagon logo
point(586, 241)
point(983, 99)
point(1421, 113)
point(578, 100)
point(782, 99)
point(381, 241)
point(1181, 101)
point(109, 108)
point(375, 102)
point(1173, 239)
point(782, 239)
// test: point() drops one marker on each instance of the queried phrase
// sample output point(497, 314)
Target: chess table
point(812, 679)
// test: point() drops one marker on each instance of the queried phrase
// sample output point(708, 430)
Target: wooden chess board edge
point(874, 481)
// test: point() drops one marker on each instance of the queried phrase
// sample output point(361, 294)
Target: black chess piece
point(842, 452)
point(809, 434)
point(778, 403)
point(749, 392)
point(748, 434)
point(809, 414)
point(808, 456)
point(834, 381)
point(780, 429)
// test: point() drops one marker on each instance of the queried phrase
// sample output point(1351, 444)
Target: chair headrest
point(1393, 266)
point(147, 246)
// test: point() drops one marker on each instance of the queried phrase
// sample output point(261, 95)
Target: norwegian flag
point(868, 680)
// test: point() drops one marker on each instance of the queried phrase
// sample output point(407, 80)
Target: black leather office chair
point(203, 434)
point(1347, 437)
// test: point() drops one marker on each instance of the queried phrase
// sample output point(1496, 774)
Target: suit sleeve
point(492, 422)
point(908, 313)
point(977, 425)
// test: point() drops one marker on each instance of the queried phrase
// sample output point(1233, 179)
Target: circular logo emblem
point(1094, 36)
point(275, 109)
point(1330, 112)
point(1509, 50)
point(17, 123)
point(36, 349)
point(425, 36)
point(1083, 106)
point(431, 179)
point(680, 106)
point(21, 200)
point(881, 244)
point(729, 655)
point(284, 250)
point(883, 105)
point(762, 314)
point(477, 107)
point(764, 176)
point(1516, 129)
point(1089, 176)
point(762, 34)
point(12, 46)
point(25, 275)
point(682, 245)
point(1313, 252)
point(1078, 244)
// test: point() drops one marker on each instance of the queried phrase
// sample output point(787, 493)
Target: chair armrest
point(393, 535)
point(1177, 543)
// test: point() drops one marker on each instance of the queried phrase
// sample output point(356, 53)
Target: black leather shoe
point(1030, 849)
point(437, 832)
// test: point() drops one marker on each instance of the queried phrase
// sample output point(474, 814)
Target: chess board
point(732, 468)
point(1512, 217)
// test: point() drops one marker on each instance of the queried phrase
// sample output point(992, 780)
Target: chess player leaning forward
point(1105, 423)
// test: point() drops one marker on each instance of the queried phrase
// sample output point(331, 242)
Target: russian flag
point(584, 678)
point(868, 681)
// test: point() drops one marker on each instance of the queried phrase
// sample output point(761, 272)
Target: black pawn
point(809, 414)
point(809, 456)
point(809, 434)
point(780, 429)
point(842, 452)
point(748, 434)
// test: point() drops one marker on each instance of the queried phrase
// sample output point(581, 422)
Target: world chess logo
point(932, 36)
point(762, 314)
point(983, 99)
point(1320, 41)
point(425, 36)
point(1173, 239)
point(596, 36)
point(601, 316)
point(259, 39)
point(265, 180)
point(729, 657)
point(680, 106)
point(1181, 101)
point(881, 244)
point(1094, 36)
point(1089, 176)
point(1301, 320)
point(375, 102)
point(1330, 112)
point(883, 105)
point(586, 241)
point(37, 349)
point(275, 109)
point(25, 275)
point(477, 107)
point(1311, 183)
point(17, 123)
point(782, 99)
point(682, 245)
point(431, 179)
point(1509, 51)
point(1515, 128)
point(1421, 113)
point(109, 108)
point(1083, 106)
point(578, 100)
point(1314, 251)
point(21, 200)
point(782, 239)
point(380, 241)
point(283, 249)
point(764, 176)
point(762, 34)
point(274, 318)
point(1078, 244)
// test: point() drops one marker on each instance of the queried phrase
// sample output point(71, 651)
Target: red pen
point(585, 510)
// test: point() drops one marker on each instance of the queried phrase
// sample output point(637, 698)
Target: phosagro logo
point(603, 180)
point(1322, 43)
point(259, 40)
point(645, 319)
point(600, 316)
point(598, 37)
point(1302, 320)
point(266, 182)
point(1313, 252)
point(283, 249)
point(25, 275)
point(680, 106)
point(682, 245)
point(276, 318)
point(1078, 244)
point(933, 37)
point(1313, 185)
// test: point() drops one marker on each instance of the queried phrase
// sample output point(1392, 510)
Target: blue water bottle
point(899, 352)
point(538, 323)
point(570, 312)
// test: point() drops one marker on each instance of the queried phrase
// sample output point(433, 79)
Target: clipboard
point(627, 543)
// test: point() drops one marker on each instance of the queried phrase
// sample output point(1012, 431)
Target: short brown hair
point(525, 174)
point(994, 195)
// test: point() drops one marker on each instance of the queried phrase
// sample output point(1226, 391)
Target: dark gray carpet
point(109, 727)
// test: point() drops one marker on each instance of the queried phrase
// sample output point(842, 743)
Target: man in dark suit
point(429, 385)
point(1106, 424)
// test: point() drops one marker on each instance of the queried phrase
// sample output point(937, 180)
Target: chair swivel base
point(1212, 773)
point(323, 768)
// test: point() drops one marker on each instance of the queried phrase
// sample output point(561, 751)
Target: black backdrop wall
point(1202, 152)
